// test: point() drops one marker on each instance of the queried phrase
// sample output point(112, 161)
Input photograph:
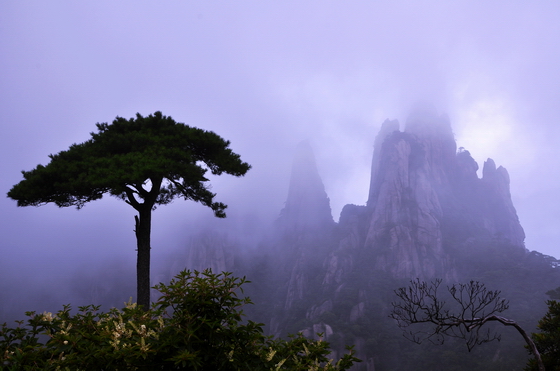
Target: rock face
point(307, 205)
point(428, 215)
point(418, 183)
point(426, 210)
point(405, 210)
point(305, 225)
point(499, 216)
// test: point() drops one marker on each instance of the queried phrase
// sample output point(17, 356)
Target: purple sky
point(266, 75)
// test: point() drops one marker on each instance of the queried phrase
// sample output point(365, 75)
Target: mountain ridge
point(428, 215)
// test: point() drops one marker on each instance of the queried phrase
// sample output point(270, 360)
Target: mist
point(264, 76)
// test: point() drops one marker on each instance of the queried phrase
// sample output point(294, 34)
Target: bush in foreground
point(195, 325)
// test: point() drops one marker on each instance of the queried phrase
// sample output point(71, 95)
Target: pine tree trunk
point(143, 230)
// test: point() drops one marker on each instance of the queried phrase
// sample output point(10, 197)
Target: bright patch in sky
point(488, 129)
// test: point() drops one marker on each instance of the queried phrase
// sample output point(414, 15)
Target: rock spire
point(307, 205)
point(426, 200)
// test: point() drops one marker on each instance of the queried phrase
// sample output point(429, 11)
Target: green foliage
point(195, 325)
point(145, 161)
point(548, 339)
point(128, 155)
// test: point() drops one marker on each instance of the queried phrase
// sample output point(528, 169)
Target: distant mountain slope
point(428, 215)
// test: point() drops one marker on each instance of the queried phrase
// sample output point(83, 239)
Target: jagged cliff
point(425, 203)
point(421, 193)
point(428, 215)
point(305, 225)
point(307, 206)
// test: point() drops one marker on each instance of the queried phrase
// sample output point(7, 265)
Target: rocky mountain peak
point(388, 127)
point(500, 216)
point(428, 215)
point(424, 121)
point(422, 189)
point(307, 204)
point(409, 170)
point(436, 142)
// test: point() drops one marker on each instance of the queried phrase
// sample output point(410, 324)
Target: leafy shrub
point(195, 325)
point(548, 339)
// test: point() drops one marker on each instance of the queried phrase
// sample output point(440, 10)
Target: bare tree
point(472, 306)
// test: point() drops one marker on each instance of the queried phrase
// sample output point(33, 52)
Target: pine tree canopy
point(127, 159)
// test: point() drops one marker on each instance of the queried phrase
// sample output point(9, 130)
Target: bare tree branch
point(472, 307)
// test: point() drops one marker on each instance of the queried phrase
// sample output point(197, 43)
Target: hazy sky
point(267, 74)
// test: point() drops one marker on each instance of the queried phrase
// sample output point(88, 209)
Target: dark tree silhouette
point(547, 339)
point(473, 306)
point(145, 161)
